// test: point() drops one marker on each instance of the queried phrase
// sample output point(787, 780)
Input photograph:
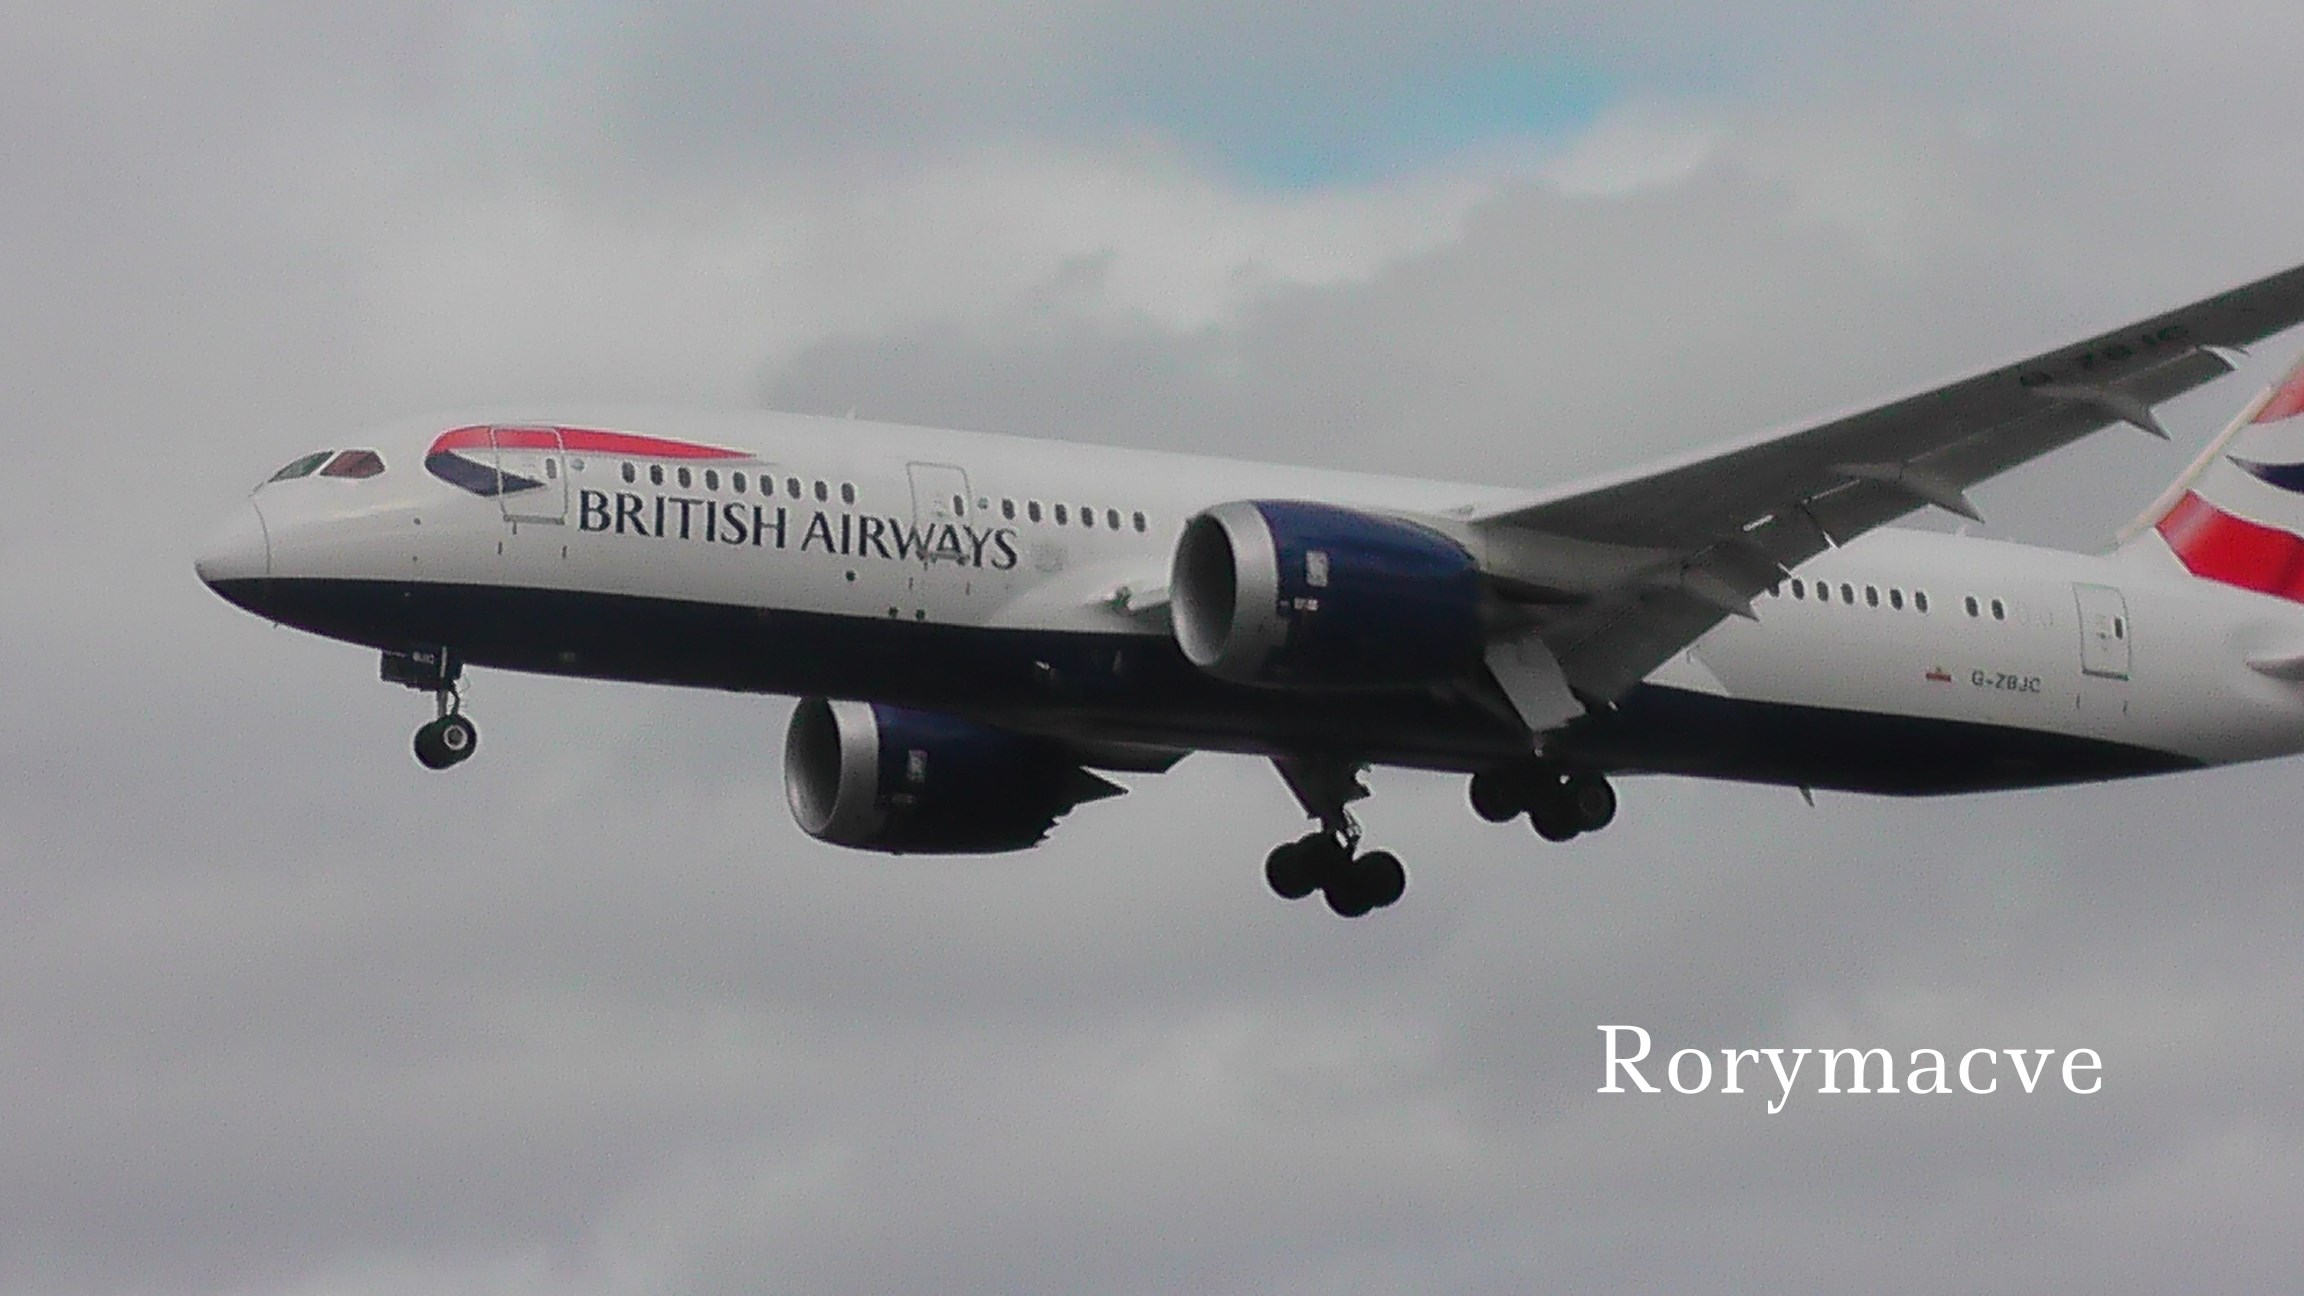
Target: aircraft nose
point(241, 550)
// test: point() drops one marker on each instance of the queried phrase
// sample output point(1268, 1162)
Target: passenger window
point(792, 487)
point(1112, 518)
point(685, 480)
point(736, 480)
point(1872, 596)
point(1008, 509)
point(1972, 609)
point(959, 507)
point(551, 470)
point(711, 480)
point(655, 474)
point(575, 463)
point(630, 474)
point(823, 492)
point(1033, 510)
point(1059, 515)
point(1088, 517)
point(2119, 628)
point(355, 464)
point(847, 492)
point(1920, 600)
point(1799, 590)
point(1896, 599)
point(303, 467)
point(1141, 525)
point(1999, 610)
point(1847, 593)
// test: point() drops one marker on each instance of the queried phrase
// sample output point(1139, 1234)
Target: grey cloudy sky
point(281, 1013)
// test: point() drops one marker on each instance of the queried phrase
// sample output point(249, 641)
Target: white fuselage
point(810, 577)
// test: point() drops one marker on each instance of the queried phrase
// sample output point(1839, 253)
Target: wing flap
point(1643, 563)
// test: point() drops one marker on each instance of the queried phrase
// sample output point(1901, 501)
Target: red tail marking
point(2287, 402)
point(2214, 545)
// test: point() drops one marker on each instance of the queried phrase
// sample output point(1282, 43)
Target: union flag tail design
point(2237, 515)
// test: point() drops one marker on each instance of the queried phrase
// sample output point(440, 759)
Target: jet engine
point(887, 779)
point(1313, 596)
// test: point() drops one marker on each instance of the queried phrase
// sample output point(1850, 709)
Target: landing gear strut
point(1328, 860)
point(1560, 803)
point(451, 738)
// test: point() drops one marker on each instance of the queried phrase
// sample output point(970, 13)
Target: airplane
point(982, 628)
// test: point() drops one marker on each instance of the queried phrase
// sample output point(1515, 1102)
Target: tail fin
point(2236, 516)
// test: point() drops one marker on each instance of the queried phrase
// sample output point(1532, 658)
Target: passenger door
point(532, 469)
point(940, 512)
point(2103, 631)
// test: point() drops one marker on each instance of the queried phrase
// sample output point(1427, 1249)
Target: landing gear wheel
point(1591, 800)
point(1496, 795)
point(1368, 883)
point(449, 740)
point(1553, 815)
point(1347, 896)
point(1386, 880)
point(1294, 869)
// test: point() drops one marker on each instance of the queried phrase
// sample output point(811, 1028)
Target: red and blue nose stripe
point(465, 457)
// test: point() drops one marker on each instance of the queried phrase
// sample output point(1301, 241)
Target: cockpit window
point(356, 464)
point(303, 467)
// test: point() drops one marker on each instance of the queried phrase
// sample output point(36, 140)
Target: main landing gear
point(452, 737)
point(1560, 803)
point(1353, 884)
point(1329, 860)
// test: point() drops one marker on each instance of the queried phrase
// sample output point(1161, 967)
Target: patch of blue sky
point(1293, 136)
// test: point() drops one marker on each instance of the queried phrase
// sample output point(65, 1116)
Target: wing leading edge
point(1619, 575)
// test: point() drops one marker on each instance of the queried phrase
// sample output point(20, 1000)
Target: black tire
point(1347, 894)
point(450, 740)
point(1383, 878)
point(1553, 816)
point(1592, 801)
point(1496, 796)
point(1292, 871)
point(429, 752)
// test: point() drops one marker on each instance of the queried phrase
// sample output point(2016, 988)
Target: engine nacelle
point(1313, 596)
point(913, 782)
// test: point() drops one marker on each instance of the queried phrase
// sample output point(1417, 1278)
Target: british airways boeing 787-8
point(982, 628)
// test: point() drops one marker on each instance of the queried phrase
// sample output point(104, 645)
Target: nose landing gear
point(452, 738)
point(449, 740)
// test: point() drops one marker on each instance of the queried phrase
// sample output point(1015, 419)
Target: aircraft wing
point(1618, 575)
